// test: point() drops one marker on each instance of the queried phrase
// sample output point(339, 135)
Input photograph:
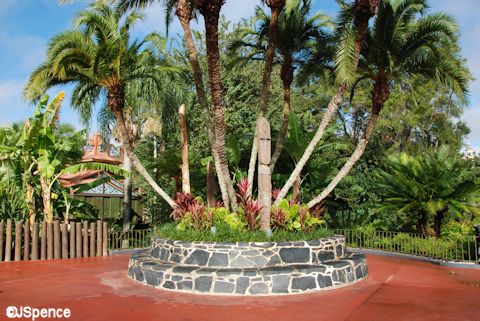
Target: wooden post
point(63, 228)
point(34, 255)
point(49, 240)
point(57, 243)
point(26, 241)
point(105, 239)
point(78, 232)
point(85, 239)
point(264, 172)
point(211, 199)
point(99, 238)
point(8, 241)
point(72, 239)
point(1, 240)
point(92, 239)
point(43, 242)
point(182, 120)
point(18, 240)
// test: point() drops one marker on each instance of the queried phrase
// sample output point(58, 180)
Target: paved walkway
point(98, 289)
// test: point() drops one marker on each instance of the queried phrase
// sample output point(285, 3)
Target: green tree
point(351, 32)
point(400, 46)
point(430, 188)
point(100, 60)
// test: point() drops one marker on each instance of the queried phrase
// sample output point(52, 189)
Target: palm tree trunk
point(211, 12)
point(364, 10)
point(184, 14)
point(127, 194)
point(267, 72)
point(438, 220)
point(184, 139)
point(116, 101)
point(287, 78)
point(379, 97)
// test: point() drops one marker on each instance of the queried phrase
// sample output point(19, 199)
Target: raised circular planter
point(248, 268)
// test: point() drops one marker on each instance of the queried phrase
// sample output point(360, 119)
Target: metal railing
point(136, 239)
point(462, 250)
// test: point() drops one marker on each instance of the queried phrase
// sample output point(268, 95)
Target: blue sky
point(27, 26)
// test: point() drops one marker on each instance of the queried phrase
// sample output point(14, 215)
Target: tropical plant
point(400, 46)
point(351, 32)
point(98, 57)
point(185, 10)
point(298, 33)
point(431, 188)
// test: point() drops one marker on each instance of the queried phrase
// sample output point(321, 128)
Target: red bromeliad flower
point(252, 211)
point(279, 218)
point(183, 200)
point(242, 187)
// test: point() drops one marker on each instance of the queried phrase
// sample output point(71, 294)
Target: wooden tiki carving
point(264, 173)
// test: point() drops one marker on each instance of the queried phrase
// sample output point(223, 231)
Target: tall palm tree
point(185, 12)
point(352, 29)
point(276, 7)
point(430, 188)
point(298, 33)
point(399, 47)
point(99, 58)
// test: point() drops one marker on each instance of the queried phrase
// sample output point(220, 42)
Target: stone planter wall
point(264, 268)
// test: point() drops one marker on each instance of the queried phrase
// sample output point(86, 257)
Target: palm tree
point(430, 188)
point(100, 60)
point(185, 12)
point(400, 47)
point(352, 29)
point(298, 33)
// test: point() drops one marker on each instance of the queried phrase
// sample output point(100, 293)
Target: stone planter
point(248, 268)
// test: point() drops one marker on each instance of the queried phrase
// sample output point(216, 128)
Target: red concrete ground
point(98, 289)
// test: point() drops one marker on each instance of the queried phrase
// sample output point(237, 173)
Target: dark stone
point(184, 269)
point(223, 287)
point(250, 272)
point(259, 261)
point(203, 284)
point(169, 285)
point(152, 277)
point(241, 262)
point(295, 255)
point(242, 285)
point(184, 285)
point(339, 276)
point(176, 258)
point(328, 280)
point(155, 252)
point(350, 277)
point(258, 288)
point(138, 273)
point(338, 264)
point(314, 243)
point(263, 245)
point(226, 272)
point(274, 260)
point(325, 256)
point(218, 259)
point(304, 283)
point(280, 283)
point(339, 250)
point(250, 253)
point(177, 278)
point(198, 257)
point(298, 243)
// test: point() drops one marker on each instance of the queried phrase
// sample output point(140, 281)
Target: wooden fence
point(52, 240)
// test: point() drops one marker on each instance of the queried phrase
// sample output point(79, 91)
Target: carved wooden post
point(264, 173)
point(211, 184)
